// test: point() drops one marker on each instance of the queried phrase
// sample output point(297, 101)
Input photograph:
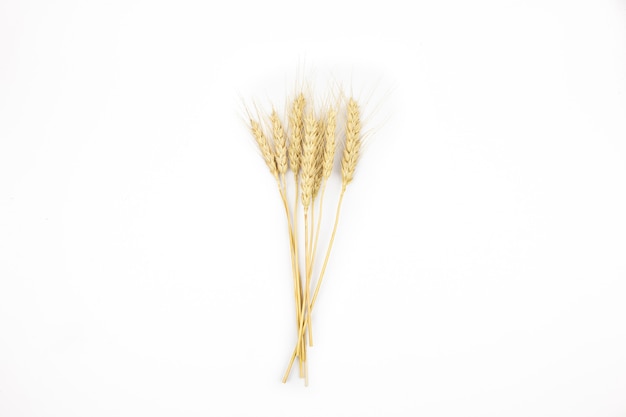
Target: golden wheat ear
point(353, 143)
point(295, 124)
point(309, 166)
point(280, 143)
point(264, 146)
point(319, 154)
point(329, 143)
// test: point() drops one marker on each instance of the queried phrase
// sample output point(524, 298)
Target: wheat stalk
point(308, 167)
point(294, 151)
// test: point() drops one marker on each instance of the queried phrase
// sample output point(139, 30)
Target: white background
point(480, 263)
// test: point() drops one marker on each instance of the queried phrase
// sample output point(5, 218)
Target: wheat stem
point(293, 247)
point(319, 281)
point(310, 236)
point(298, 283)
point(301, 341)
point(319, 222)
point(330, 247)
point(308, 276)
point(310, 271)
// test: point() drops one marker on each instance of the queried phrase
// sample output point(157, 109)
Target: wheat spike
point(319, 155)
point(329, 145)
point(264, 146)
point(280, 143)
point(308, 159)
point(353, 143)
point(296, 123)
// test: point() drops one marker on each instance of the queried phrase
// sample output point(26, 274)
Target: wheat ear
point(319, 154)
point(280, 145)
point(296, 123)
point(264, 146)
point(309, 168)
point(320, 141)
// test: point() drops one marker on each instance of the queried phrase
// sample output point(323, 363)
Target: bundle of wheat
point(308, 149)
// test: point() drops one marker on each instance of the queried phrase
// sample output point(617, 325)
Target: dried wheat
point(264, 146)
point(296, 123)
point(308, 149)
point(353, 143)
point(280, 144)
point(309, 166)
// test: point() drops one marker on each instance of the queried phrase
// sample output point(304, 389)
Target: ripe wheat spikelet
point(353, 143)
point(319, 155)
point(329, 145)
point(280, 143)
point(296, 123)
point(308, 158)
point(264, 146)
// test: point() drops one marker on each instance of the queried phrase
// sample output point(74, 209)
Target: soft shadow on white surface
point(479, 265)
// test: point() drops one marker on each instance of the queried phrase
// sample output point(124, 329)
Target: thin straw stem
point(314, 252)
point(319, 283)
point(330, 247)
point(308, 275)
point(293, 251)
point(298, 282)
